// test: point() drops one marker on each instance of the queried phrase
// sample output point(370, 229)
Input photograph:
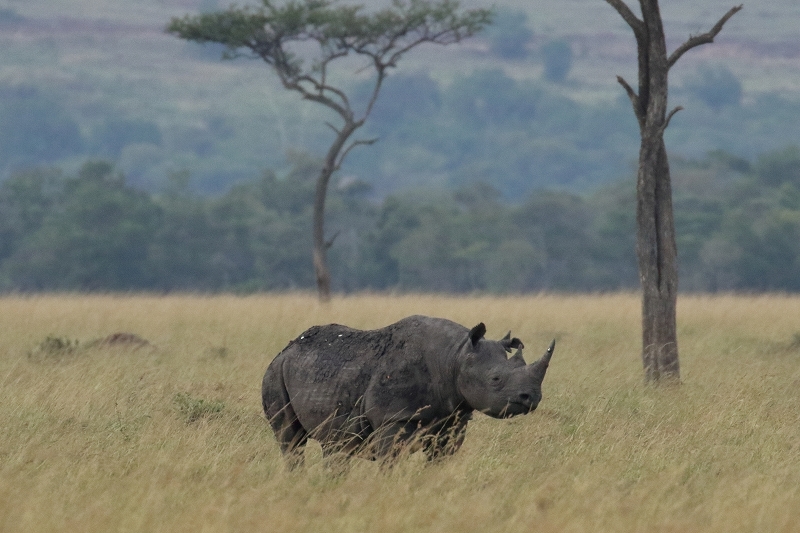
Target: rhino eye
point(495, 379)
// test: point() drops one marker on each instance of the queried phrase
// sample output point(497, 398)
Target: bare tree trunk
point(655, 239)
point(656, 248)
point(333, 161)
point(320, 252)
point(658, 265)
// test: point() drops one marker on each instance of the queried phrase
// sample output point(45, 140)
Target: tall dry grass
point(172, 438)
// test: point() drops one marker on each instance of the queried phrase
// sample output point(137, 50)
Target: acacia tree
point(655, 238)
point(302, 39)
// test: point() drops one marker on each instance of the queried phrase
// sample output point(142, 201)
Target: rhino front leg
point(446, 437)
point(393, 438)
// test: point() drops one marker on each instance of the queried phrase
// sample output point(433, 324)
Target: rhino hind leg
point(291, 435)
point(289, 432)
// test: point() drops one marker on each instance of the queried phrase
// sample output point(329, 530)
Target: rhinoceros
point(417, 381)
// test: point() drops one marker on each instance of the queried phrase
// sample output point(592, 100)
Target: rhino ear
point(477, 333)
point(509, 344)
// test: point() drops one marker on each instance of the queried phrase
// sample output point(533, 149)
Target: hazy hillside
point(83, 78)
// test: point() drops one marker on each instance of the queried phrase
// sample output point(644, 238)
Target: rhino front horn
point(539, 367)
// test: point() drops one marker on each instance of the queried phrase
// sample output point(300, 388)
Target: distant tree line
point(738, 227)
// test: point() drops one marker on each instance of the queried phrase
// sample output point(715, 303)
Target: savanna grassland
point(170, 437)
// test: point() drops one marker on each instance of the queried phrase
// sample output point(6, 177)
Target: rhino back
point(335, 374)
point(327, 369)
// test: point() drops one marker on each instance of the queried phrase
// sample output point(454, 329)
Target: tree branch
point(329, 242)
point(320, 87)
point(378, 83)
point(363, 142)
point(293, 78)
point(625, 12)
point(628, 89)
point(704, 38)
point(331, 126)
point(317, 96)
point(634, 99)
point(445, 36)
point(669, 117)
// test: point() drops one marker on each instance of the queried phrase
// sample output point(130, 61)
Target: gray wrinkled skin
point(416, 381)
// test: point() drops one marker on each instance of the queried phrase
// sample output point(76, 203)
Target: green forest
point(738, 225)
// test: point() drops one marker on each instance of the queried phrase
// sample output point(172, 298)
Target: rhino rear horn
point(477, 333)
point(518, 356)
point(539, 367)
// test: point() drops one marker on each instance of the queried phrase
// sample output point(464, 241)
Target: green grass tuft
point(54, 347)
point(193, 409)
